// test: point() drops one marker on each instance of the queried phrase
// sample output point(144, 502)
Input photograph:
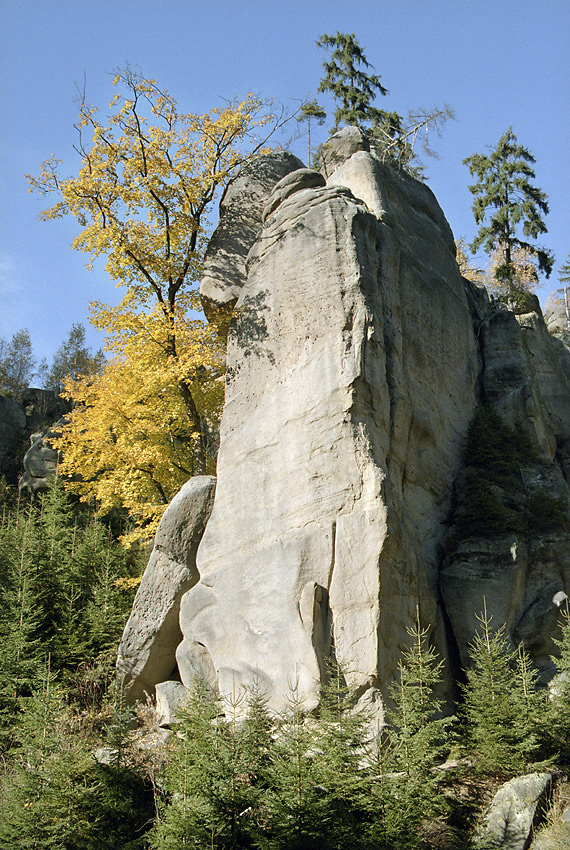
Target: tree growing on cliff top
point(147, 178)
point(352, 88)
point(354, 91)
point(504, 192)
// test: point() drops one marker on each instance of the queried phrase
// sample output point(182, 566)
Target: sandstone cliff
point(357, 359)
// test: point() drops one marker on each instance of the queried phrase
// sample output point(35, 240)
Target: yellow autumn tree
point(128, 442)
point(523, 276)
point(465, 263)
point(147, 178)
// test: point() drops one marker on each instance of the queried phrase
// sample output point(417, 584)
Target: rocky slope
point(357, 359)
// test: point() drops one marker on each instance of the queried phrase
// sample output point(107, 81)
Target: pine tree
point(505, 189)
point(311, 111)
point(416, 739)
point(501, 706)
point(352, 88)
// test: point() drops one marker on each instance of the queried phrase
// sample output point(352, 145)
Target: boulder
point(516, 808)
point(170, 697)
point(241, 209)
point(340, 438)
point(340, 147)
point(147, 648)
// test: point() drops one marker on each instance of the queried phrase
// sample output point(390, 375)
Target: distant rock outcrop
point(357, 358)
point(29, 419)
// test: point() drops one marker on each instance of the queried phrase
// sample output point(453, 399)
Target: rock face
point(340, 437)
point(12, 436)
point(358, 360)
point(241, 207)
point(147, 649)
point(30, 419)
point(521, 573)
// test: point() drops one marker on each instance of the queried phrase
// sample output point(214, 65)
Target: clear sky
point(498, 63)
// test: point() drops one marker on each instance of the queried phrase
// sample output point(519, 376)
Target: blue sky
point(498, 63)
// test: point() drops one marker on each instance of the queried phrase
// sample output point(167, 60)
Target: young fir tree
point(216, 779)
point(54, 795)
point(559, 703)
point(416, 739)
point(501, 707)
point(505, 193)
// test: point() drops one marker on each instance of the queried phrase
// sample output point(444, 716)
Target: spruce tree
point(311, 111)
point(416, 739)
point(352, 88)
point(505, 193)
point(501, 707)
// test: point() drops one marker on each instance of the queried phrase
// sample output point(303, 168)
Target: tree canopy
point(354, 92)
point(147, 177)
point(17, 363)
point(506, 203)
point(72, 359)
point(353, 89)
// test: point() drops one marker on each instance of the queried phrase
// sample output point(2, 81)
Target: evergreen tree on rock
point(352, 88)
point(506, 203)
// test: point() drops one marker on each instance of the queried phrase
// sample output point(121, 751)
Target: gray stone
point(170, 697)
point(340, 438)
point(296, 181)
point(241, 208)
point(508, 822)
point(518, 575)
point(148, 645)
point(41, 460)
point(340, 147)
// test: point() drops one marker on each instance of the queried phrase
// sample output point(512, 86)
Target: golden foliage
point(129, 441)
point(466, 267)
point(147, 178)
point(523, 275)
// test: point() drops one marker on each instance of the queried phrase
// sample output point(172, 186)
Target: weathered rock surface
point(170, 697)
point(340, 147)
point(22, 420)
point(40, 461)
point(516, 807)
point(241, 208)
point(357, 357)
point(147, 649)
point(340, 439)
point(519, 575)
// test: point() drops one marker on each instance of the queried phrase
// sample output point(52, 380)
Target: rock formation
point(147, 650)
point(29, 419)
point(357, 358)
